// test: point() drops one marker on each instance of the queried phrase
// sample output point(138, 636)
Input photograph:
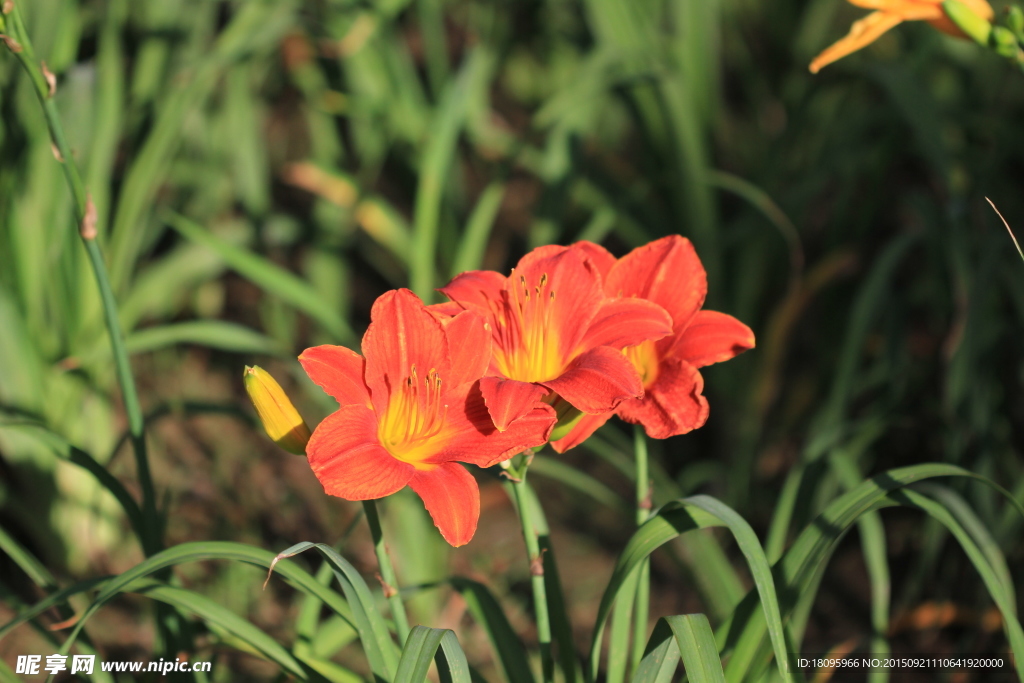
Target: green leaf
point(35, 569)
point(220, 618)
point(420, 650)
point(202, 551)
point(795, 572)
point(689, 636)
point(215, 334)
point(678, 517)
point(373, 631)
point(269, 276)
point(490, 617)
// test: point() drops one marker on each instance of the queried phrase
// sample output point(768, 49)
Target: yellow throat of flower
point(529, 348)
point(644, 357)
point(412, 428)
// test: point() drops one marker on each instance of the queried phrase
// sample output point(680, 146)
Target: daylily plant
point(570, 333)
point(891, 13)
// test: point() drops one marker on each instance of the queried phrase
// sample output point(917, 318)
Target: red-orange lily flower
point(668, 273)
point(890, 13)
point(556, 332)
point(411, 410)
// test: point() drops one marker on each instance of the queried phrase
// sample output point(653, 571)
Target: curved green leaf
point(689, 636)
point(373, 631)
point(678, 517)
point(421, 648)
point(201, 551)
point(745, 630)
point(215, 334)
point(219, 617)
point(269, 276)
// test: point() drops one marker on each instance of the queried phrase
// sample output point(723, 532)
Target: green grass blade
point(579, 480)
point(761, 572)
point(744, 632)
point(373, 631)
point(966, 516)
point(619, 633)
point(50, 601)
point(697, 647)
point(420, 650)
point(489, 616)
point(203, 551)
point(661, 656)
point(660, 529)
point(872, 539)
point(223, 619)
point(679, 517)
point(437, 160)
point(470, 255)
point(993, 582)
point(267, 275)
point(28, 562)
point(214, 334)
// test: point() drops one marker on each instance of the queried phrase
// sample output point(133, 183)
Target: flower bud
point(974, 26)
point(1004, 42)
point(284, 425)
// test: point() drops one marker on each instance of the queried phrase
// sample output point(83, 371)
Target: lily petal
point(339, 372)
point(508, 400)
point(599, 257)
point(475, 439)
point(475, 289)
point(403, 336)
point(862, 33)
point(581, 431)
point(598, 380)
point(574, 288)
point(667, 272)
point(469, 343)
point(347, 458)
point(623, 322)
point(452, 498)
point(673, 405)
point(713, 337)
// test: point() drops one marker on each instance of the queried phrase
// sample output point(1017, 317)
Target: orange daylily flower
point(411, 410)
point(666, 272)
point(554, 331)
point(889, 13)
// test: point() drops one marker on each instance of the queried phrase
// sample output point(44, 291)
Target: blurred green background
point(263, 170)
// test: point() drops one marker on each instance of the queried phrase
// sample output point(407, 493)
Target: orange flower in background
point(890, 13)
point(411, 409)
point(554, 331)
point(669, 273)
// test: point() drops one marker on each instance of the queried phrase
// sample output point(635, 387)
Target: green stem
point(85, 213)
point(643, 510)
point(540, 594)
point(387, 572)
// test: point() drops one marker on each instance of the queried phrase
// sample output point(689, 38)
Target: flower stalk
point(19, 43)
point(644, 493)
point(387, 572)
point(540, 594)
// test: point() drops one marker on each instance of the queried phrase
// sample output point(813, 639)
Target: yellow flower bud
point(283, 423)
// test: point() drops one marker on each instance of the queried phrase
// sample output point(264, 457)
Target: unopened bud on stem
point(284, 425)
